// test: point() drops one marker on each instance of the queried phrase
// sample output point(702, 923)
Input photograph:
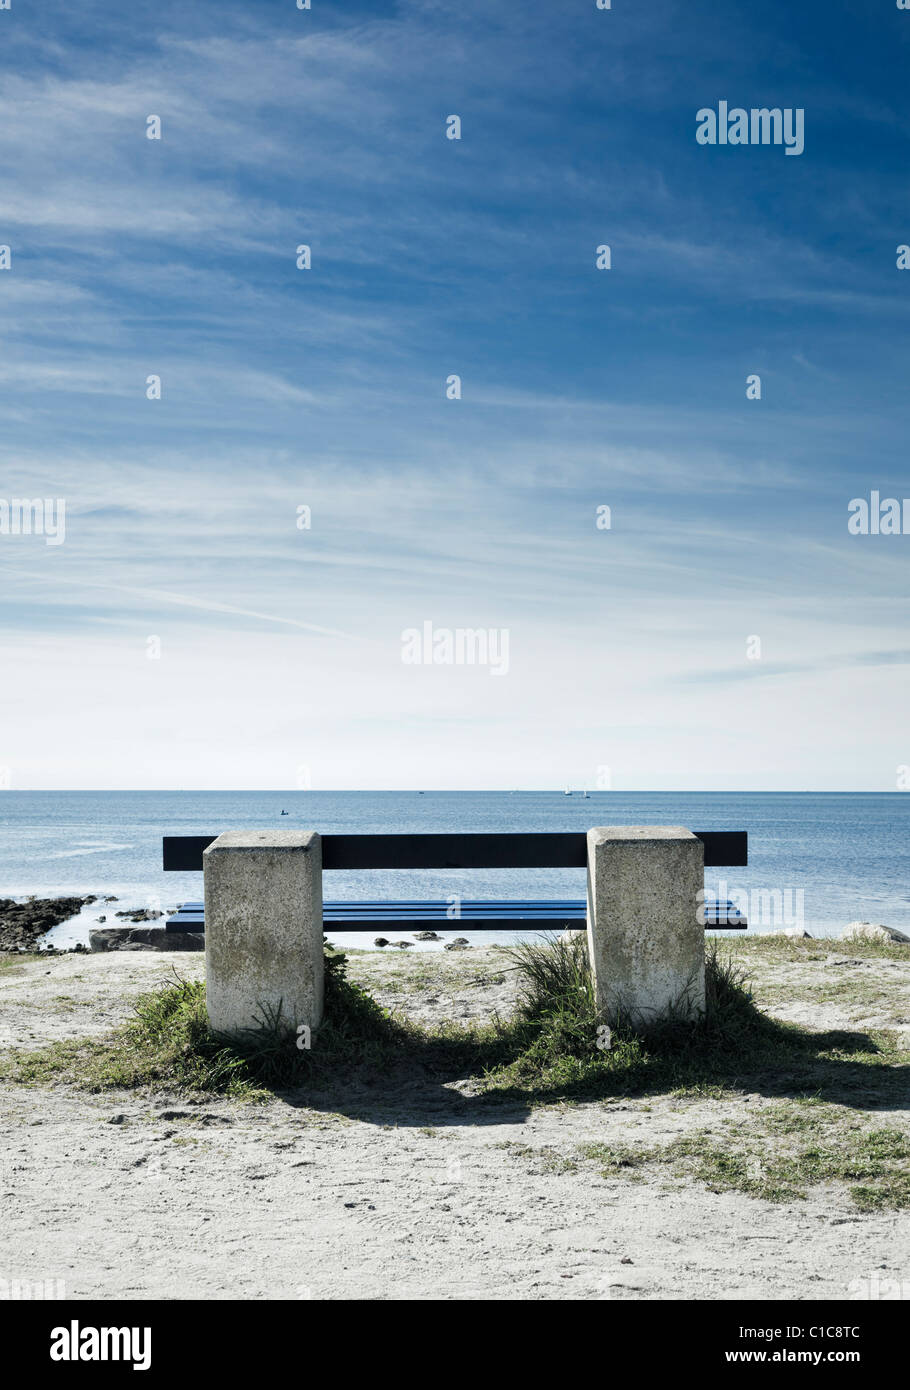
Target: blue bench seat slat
point(405, 904)
point(502, 915)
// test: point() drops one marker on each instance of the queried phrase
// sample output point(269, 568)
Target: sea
point(817, 861)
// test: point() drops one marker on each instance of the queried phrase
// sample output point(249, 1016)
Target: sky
point(189, 630)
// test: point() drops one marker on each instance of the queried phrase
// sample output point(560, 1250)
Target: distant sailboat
point(585, 796)
point(567, 792)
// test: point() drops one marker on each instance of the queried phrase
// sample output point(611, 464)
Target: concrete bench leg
point(645, 942)
point(263, 930)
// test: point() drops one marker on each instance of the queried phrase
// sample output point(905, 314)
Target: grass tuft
point(563, 1043)
point(169, 1044)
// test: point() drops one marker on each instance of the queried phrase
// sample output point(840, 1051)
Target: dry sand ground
point(409, 1189)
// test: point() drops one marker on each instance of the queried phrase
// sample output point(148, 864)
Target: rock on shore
point(872, 931)
point(21, 924)
point(145, 939)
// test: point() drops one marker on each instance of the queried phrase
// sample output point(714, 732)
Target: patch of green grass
point(755, 1158)
point(69, 1003)
point(412, 984)
point(773, 947)
point(615, 1158)
point(542, 1160)
point(854, 991)
point(169, 1044)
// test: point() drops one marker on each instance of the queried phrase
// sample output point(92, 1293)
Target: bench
point(264, 914)
point(183, 853)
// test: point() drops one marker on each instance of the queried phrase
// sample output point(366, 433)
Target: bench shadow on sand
point(434, 1087)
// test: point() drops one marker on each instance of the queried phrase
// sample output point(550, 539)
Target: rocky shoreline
point(22, 924)
point(145, 939)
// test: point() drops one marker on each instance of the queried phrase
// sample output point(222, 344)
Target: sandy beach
point(412, 1187)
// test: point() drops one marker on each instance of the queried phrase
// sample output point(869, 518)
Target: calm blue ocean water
point(819, 860)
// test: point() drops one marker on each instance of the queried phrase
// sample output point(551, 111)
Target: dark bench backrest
point(559, 850)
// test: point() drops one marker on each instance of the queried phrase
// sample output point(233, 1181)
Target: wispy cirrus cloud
point(327, 388)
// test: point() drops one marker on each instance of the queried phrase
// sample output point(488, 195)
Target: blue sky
point(281, 648)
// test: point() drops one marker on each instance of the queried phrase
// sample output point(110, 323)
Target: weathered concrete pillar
point(645, 942)
point(263, 929)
